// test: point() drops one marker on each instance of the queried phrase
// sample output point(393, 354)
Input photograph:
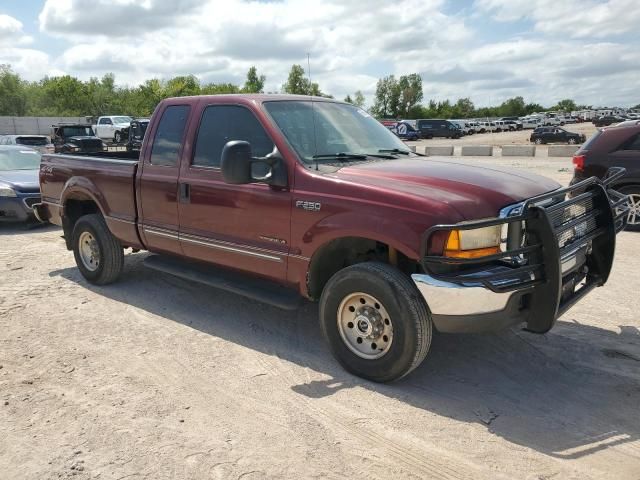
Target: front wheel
point(375, 321)
point(538, 141)
point(572, 141)
point(98, 254)
point(117, 137)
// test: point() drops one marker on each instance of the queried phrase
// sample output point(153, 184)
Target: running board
point(254, 288)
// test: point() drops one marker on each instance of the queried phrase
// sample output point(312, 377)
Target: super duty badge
point(308, 206)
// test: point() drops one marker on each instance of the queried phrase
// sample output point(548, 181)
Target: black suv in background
point(555, 135)
point(617, 146)
point(430, 128)
point(607, 120)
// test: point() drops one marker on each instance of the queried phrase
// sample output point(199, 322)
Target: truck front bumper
point(18, 209)
point(567, 250)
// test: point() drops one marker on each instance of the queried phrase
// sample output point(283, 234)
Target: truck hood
point(21, 180)
point(473, 191)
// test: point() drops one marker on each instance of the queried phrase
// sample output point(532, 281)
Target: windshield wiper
point(341, 156)
point(394, 150)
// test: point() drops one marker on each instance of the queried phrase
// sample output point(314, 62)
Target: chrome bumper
point(469, 308)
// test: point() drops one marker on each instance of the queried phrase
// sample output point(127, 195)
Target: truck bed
point(109, 182)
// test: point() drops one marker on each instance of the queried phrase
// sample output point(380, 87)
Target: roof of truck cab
point(256, 97)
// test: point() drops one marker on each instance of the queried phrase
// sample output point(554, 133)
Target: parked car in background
point(617, 146)
point(41, 143)
point(502, 126)
point(19, 185)
point(515, 121)
point(531, 122)
point(466, 129)
point(76, 138)
point(556, 135)
point(112, 127)
point(430, 128)
point(607, 120)
point(404, 130)
point(484, 127)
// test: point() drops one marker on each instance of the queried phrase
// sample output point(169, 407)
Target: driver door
point(245, 227)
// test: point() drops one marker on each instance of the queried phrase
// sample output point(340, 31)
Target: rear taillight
point(578, 162)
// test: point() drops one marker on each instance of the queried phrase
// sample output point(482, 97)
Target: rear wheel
point(375, 321)
point(538, 141)
point(572, 141)
point(633, 220)
point(98, 254)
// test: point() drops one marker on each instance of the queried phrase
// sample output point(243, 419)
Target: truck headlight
point(473, 243)
point(6, 191)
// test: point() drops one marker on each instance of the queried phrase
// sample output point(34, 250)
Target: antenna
point(309, 70)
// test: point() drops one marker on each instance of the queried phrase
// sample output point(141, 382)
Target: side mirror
point(237, 165)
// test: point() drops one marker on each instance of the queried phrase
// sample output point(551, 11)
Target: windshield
point(327, 128)
point(19, 160)
point(77, 132)
point(122, 119)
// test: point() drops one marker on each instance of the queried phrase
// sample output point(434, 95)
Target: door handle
point(184, 193)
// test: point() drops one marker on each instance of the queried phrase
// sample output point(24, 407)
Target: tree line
point(69, 96)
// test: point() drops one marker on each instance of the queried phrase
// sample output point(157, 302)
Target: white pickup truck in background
point(111, 127)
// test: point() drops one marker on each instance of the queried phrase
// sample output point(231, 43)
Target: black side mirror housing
point(237, 165)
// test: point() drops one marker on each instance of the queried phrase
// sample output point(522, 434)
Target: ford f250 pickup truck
point(280, 198)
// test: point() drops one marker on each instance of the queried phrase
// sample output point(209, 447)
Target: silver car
point(41, 143)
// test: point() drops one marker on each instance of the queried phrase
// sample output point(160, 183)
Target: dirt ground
point(158, 378)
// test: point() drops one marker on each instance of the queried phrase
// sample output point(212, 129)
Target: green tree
point(409, 93)
point(512, 107)
point(358, 99)
point(530, 108)
point(566, 105)
point(387, 98)
point(465, 108)
point(348, 99)
point(254, 82)
point(13, 97)
point(298, 84)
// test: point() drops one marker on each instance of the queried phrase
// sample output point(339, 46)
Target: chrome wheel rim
point(365, 325)
point(634, 209)
point(89, 251)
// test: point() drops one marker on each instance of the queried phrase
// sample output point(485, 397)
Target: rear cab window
point(32, 141)
point(168, 140)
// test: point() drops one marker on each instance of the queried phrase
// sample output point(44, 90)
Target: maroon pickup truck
point(281, 198)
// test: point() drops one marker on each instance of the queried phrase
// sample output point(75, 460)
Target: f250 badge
point(308, 206)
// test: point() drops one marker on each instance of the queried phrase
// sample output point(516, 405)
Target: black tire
point(538, 141)
point(408, 312)
point(572, 141)
point(111, 252)
point(117, 137)
point(631, 190)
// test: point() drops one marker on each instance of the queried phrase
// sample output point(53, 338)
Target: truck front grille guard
point(580, 221)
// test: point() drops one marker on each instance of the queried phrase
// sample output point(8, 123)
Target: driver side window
point(223, 123)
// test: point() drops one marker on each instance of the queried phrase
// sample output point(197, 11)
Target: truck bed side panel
point(110, 183)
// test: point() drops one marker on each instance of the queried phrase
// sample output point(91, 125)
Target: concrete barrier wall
point(33, 125)
point(477, 150)
point(518, 151)
point(436, 150)
point(562, 150)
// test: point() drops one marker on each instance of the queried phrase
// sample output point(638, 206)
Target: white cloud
point(569, 18)
point(11, 32)
point(351, 43)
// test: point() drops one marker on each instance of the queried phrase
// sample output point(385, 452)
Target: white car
point(466, 130)
point(111, 127)
point(531, 122)
point(484, 127)
point(41, 143)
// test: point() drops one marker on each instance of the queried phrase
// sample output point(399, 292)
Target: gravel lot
point(155, 377)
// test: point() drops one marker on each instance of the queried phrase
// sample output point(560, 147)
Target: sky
point(487, 50)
